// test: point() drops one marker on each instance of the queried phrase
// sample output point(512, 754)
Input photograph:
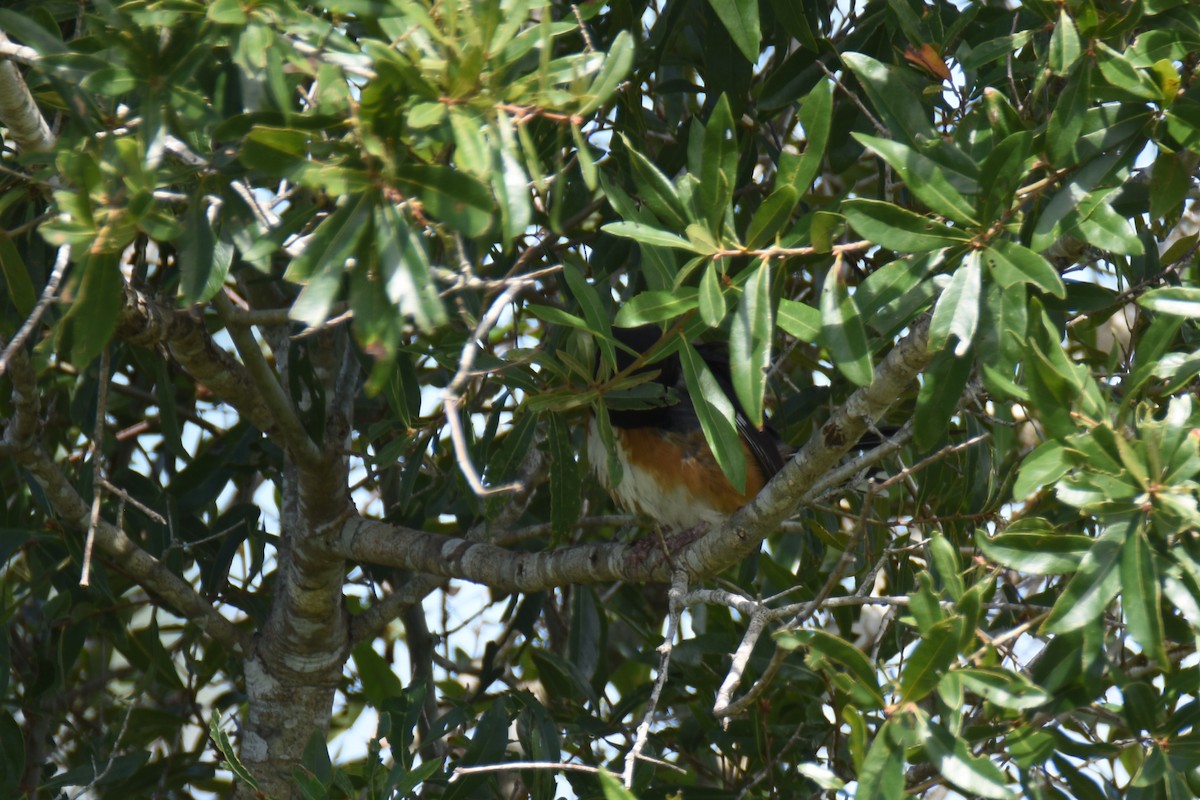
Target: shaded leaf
point(716, 415)
point(924, 177)
point(740, 18)
point(899, 229)
point(957, 310)
point(1094, 584)
point(842, 330)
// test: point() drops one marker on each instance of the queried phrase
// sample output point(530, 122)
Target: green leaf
point(452, 196)
point(1004, 688)
point(379, 681)
point(716, 415)
point(510, 183)
point(894, 94)
point(975, 775)
point(924, 177)
point(932, 656)
point(1120, 73)
point(404, 266)
point(750, 342)
point(594, 312)
point(740, 18)
point(1179, 301)
point(1066, 121)
point(1065, 47)
point(204, 260)
point(771, 216)
point(957, 310)
point(717, 165)
point(881, 776)
point(655, 306)
point(842, 330)
point(1141, 595)
point(1038, 552)
point(617, 64)
point(16, 277)
point(229, 752)
point(898, 229)
point(227, 12)
point(989, 50)
point(656, 190)
point(892, 295)
point(275, 151)
point(648, 234)
point(799, 320)
point(1094, 584)
point(941, 387)
point(1011, 263)
point(612, 787)
point(92, 318)
point(565, 479)
point(1101, 226)
point(711, 300)
point(1002, 172)
point(816, 117)
point(834, 654)
point(333, 242)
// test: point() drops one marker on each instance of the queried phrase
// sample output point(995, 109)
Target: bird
point(668, 471)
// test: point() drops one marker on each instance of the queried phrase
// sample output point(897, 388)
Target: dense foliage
point(303, 312)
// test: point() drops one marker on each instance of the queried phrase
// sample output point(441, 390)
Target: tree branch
point(75, 512)
point(18, 110)
point(146, 323)
point(802, 480)
point(279, 405)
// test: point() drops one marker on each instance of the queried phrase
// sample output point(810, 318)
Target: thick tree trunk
point(295, 668)
point(296, 665)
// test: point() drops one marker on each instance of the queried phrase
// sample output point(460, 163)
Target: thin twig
point(741, 657)
point(60, 267)
point(509, 766)
point(98, 481)
point(126, 498)
point(677, 596)
point(452, 394)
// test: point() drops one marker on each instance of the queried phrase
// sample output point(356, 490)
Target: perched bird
point(668, 471)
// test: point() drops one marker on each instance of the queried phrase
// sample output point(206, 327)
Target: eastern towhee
point(668, 471)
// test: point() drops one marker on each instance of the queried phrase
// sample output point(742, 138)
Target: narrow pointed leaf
point(816, 116)
point(1181, 301)
point(712, 301)
point(800, 320)
point(1010, 263)
point(899, 229)
point(771, 216)
point(656, 190)
point(924, 177)
point(928, 661)
point(716, 415)
point(1065, 47)
point(740, 18)
point(655, 306)
point(1141, 595)
point(750, 343)
point(1003, 687)
point(842, 330)
point(1039, 553)
point(957, 310)
point(617, 64)
point(648, 234)
point(565, 499)
point(1094, 584)
point(976, 776)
